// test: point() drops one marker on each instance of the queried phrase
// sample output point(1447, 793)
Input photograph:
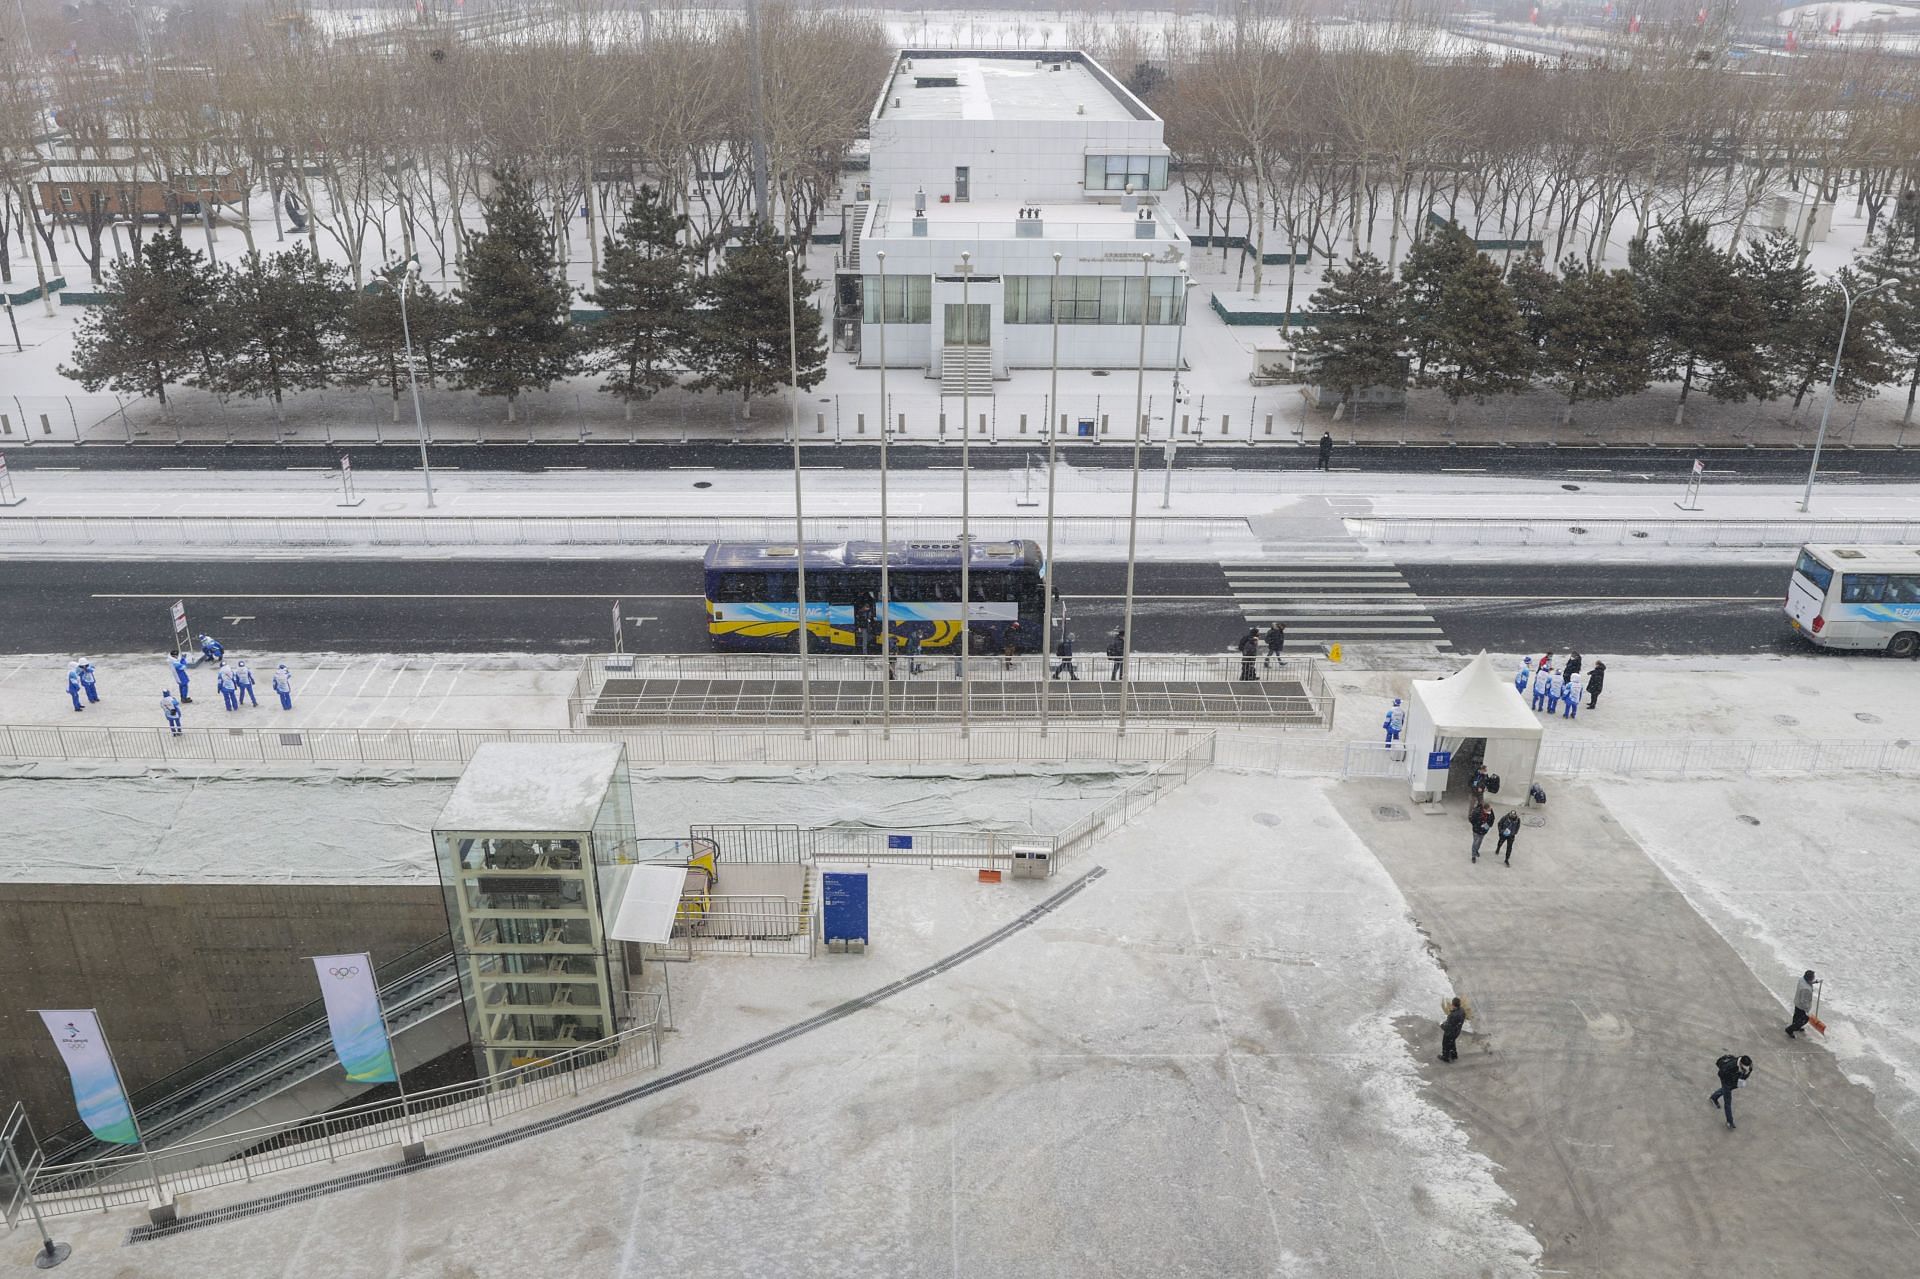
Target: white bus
point(1857, 597)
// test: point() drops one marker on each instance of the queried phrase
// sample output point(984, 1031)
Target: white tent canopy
point(1475, 702)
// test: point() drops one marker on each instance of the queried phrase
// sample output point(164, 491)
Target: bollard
point(1333, 652)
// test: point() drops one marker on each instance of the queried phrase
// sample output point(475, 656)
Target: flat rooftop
point(982, 86)
point(995, 219)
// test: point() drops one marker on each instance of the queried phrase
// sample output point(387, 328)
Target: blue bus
point(753, 590)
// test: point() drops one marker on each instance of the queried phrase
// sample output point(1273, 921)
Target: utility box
point(1032, 861)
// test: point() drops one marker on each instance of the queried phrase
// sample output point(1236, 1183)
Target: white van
point(1857, 597)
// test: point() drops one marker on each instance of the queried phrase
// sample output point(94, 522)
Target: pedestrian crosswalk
point(1334, 601)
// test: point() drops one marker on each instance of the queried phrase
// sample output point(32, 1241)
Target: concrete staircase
point(967, 369)
point(854, 221)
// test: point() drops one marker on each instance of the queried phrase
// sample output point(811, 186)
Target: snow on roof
point(1002, 85)
point(531, 787)
point(1477, 701)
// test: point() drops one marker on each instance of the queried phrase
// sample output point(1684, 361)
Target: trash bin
point(1086, 426)
point(1031, 861)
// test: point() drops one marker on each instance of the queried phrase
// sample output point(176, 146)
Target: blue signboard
point(843, 901)
point(899, 841)
point(1437, 760)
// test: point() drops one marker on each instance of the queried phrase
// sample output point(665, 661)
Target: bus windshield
point(1814, 571)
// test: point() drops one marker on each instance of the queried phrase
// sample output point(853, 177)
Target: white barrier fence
point(1675, 532)
point(1649, 757)
point(570, 530)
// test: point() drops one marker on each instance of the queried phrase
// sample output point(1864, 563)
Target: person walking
point(1524, 677)
point(88, 680)
point(283, 685)
point(1542, 677)
point(1249, 647)
point(180, 668)
point(243, 684)
point(864, 615)
point(1326, 452)
point(1734, 1072)
point(1395, 721)
point(1009, 645)
point(1450, 1031)
point(1117, 655)
point(223, 678)
point(170, 707)
point(1570, 698)
point(1276, 643)
point(1480, 819)
point(1802, 1002)
point(74, 686)
point(914, 642)
point(1509, 827)
point(1596, 679)
point(1573, 665)
point(1064, 652)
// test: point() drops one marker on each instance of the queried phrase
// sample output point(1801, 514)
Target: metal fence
point(1661, 532)
point(1138, 796)
point(101, 1184)
point(889, 846)
point(1650, 757)
point(574, 530)
point(740, 924)
point(344, 747)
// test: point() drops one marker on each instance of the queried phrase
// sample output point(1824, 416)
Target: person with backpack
point(1509, 827)
point(1542, 675)
point(1570, 699)
point(1276, 641)
point(1395, 722)
point(1249, 653)
point(1064, 651)
point(1524, 676)
point(1480, 819)
point(1734, 1072)
point(1117, 655)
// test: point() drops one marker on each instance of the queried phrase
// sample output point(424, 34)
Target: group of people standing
point(1275, 639)
point(1557, 690)
point(235, 682)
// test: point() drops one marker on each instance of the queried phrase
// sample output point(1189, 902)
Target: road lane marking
point(103, 595)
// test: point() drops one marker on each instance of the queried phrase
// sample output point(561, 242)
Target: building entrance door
point(964, 329)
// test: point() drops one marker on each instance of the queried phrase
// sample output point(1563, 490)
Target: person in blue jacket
point(283, 685)
point(212, 649)
point(1524, 676)
point(1570, 697)
point(88, 679)
point(243, 682)
point(170, 707)
point(73, 685)
point(1541, 674)
point(180, 668)
point(228, 687)
point(1395, 721)
point(1555, 687)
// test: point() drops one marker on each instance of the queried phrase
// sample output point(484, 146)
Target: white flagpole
point(799, 521)
point(1053, 436)
point(1133, 509)
point(153, 1165)
point(886, 552)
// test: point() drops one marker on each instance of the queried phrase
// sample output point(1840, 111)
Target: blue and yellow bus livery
point(752, 591)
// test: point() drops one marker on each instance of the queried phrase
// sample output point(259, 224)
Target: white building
point(1012, 158)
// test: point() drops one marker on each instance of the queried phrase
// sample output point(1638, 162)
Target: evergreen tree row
point(1751, 325)
point(285, 322)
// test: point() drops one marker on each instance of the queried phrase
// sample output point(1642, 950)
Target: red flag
point(1633, 25)
point(1701, 21)
point(1836, 25)
point(1534, 17)
point(1793, 42)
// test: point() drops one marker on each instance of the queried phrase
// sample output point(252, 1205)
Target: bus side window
point(740, 588)
point(1904, 589)
point(1863, 588)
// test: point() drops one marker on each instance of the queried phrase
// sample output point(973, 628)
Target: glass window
point(909, 299)
point(1118, 172)
point(1903, 589)
point(1096, 179)
point(1029, 299)
point(1863, 588)
point(1814, 571)
point(741, 588)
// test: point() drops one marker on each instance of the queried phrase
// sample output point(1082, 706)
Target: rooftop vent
point(936, 82)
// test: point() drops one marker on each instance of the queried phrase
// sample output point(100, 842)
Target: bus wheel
point(1905, 644)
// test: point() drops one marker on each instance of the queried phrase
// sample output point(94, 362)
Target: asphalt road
point(416, 605)
point(1662, 465)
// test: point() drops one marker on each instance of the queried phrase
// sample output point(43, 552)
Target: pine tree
point(1534, 290)
point(1356, 336)
point(1596, 337)
point(1865, 362)
point(1782, 285)
point(742, 340)
point(1471, 341)
point(516, 334)
point(646, 292)
point(1895, 256)
point(378, 339)
point(155, 327)
point(1701, 317)
point(282, 318)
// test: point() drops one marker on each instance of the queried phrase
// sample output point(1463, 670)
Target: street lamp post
point(799, 521)
point(1173, 414)
point(966, 534)
point(413, 381)
point(1053, 435)
point(1833, 382)
point(886, 547)
point(1133, 505)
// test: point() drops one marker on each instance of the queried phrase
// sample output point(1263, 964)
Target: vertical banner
point(96, 1082)
point(354, 1018)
